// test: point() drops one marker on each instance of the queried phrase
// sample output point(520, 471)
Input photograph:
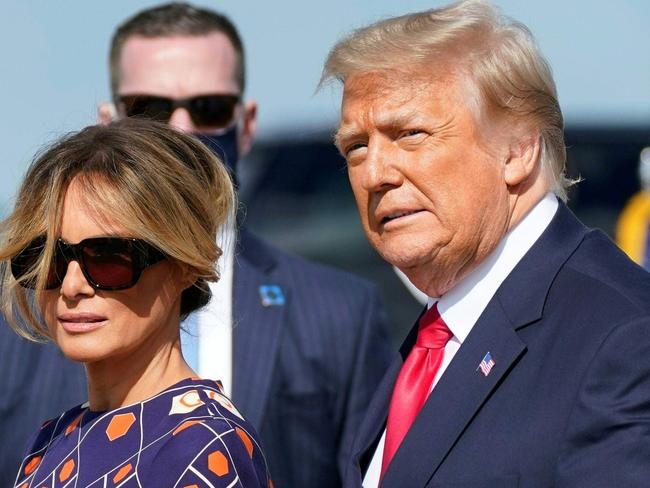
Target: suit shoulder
point(608, 277)
point(304, 271)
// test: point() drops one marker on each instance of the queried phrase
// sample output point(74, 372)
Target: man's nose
point(381, 170)
point(181, 120)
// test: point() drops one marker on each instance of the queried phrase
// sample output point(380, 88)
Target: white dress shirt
point(206, 335)
point(461, 306)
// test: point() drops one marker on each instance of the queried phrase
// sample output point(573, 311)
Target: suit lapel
point(374, 421)
point(257, 326)
point(459, 394)
point(463, 388)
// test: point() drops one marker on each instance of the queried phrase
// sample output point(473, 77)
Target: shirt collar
point(461, 306)
point(227, 236)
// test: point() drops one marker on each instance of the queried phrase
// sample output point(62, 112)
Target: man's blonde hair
point(162, 186)
point(497, 55)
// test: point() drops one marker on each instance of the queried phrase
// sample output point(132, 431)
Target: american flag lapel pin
point(486, 364)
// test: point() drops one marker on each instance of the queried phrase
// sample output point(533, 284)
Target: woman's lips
point(81, 322)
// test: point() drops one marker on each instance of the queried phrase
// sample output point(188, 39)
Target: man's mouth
point(398, 215)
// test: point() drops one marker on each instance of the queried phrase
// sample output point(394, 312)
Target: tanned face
point(110, 327)
point(433, 187)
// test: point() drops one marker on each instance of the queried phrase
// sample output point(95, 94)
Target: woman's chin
point(79, 357)
point(82, 353)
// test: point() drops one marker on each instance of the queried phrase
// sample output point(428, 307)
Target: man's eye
point(412, 133)
point(354, 147)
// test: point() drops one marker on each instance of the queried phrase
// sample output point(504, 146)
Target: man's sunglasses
point(108, 263)
point(213, 111)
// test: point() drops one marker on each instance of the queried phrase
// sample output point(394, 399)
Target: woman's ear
point(186, 276)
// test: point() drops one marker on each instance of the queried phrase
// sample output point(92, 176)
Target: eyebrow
point(343, 133)
point(391, 121)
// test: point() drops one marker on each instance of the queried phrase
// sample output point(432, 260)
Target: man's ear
point(522, 160)
point(106, 113)
point(249, 127)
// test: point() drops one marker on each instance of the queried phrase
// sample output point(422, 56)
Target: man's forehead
point(397, 84)
point(172, 65)
point(376, 85)
point(213, 42)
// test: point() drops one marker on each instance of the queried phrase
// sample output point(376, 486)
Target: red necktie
point(415, 380)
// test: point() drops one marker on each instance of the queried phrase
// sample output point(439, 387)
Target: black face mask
point(225, 146)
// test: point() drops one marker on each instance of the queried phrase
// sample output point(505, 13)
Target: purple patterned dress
point(188, 436)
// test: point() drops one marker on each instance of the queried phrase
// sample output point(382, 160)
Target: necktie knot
point(433, 333)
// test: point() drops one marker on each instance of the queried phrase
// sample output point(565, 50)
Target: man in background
point(299, 346)
point(531, 366)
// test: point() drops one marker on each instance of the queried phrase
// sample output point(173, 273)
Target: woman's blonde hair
point(161, 185)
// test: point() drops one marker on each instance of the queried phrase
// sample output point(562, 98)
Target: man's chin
point(404, 259)
point(404, 250)
point(423, 270)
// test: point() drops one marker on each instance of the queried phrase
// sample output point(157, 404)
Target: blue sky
point(55, 69)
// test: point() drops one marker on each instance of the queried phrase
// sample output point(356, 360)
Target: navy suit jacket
point(304, 370)
point(36, 383)
point(567, 403)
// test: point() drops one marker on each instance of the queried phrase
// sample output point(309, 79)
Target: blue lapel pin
point(486, 364)
point(271, 295)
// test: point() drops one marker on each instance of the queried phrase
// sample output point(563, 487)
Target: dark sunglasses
point(213, 111)
point(108, 263)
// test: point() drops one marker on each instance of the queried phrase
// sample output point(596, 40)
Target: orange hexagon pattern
point(218, 464)
point(73, 424)
point(119, 425)
point(246, 440)
point(212, 448)
point(32, 464)
point(66, 470)
point(124, 470)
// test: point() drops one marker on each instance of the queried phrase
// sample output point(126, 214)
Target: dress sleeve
point(210, 453)
point(39, 442)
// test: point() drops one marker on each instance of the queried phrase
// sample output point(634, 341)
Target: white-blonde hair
point(500, 56)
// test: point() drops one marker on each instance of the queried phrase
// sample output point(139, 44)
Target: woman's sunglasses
point(108, 263)
point(213, 111)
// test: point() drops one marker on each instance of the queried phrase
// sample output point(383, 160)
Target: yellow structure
point(632, 228)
